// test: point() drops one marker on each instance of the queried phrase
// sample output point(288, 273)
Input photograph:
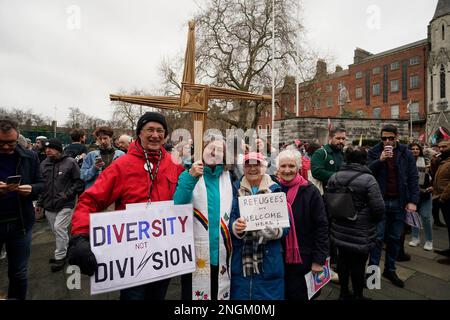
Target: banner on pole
point(140, 245)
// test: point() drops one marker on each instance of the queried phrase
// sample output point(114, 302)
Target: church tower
point(438, 73)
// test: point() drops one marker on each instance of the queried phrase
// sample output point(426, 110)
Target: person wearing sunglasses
point(394, 167)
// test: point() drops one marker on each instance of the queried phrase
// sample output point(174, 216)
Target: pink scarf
point(292, 249)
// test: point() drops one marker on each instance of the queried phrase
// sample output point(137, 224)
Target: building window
point(359, 75)
point(377, 113)
point(442, 82)
point(376, 70)
point(329, 102)
point(414, 60)
point(268, 128)
point(318, 102)
point(329, 88)
point(395, 65)
point(259, 128)
point(306, 105)
point(414, 109)
point(359, 93)
point(394, 86)
point(360, 113)
point(376, 89)
point(443, 32)
point(395, 112)
point(414, 82)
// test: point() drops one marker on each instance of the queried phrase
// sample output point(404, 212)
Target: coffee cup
point(389, 150)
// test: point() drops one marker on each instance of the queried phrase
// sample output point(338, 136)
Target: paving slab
point(431, 287)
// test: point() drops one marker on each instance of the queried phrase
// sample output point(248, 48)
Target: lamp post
point(410, 121)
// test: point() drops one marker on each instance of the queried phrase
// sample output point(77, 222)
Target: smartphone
point(13, 179)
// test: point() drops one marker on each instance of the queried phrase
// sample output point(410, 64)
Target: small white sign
point(264, 210)
point(140, 245)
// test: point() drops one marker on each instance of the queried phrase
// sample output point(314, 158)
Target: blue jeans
point(390, 228)
point(150, 291)
point(424, 210)
point(18, 247)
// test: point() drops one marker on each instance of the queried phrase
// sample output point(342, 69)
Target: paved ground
point(424, 278)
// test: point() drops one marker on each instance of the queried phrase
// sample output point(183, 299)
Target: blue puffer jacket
point(407, 174)
point(269, 284)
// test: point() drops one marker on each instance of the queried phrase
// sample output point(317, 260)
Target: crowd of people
point(383, 184)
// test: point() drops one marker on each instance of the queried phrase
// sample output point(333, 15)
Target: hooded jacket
point(63, 183)
point(126, 181)
point(358, 235)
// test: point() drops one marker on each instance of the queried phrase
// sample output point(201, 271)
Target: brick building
point(389, 85)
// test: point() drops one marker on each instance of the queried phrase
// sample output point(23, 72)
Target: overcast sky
point(61, 54)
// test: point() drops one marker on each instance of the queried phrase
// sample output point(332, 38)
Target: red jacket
point(126, 181)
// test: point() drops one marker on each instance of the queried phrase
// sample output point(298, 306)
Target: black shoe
point(392, 276)
point(443, 252)
point(439, 224)
point(58, 265)
point(445, 261)
point(346, 296)
point(404, 257)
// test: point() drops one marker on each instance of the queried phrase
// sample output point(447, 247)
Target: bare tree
point(234, 49)
point(128, 114)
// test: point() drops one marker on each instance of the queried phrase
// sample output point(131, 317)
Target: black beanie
point(151, 117)
point(54, 144)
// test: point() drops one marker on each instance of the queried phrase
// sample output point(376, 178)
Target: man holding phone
point(98, 160)
point(394, 167)
point(17, 213)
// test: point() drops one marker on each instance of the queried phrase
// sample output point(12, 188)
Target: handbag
point(339, 200)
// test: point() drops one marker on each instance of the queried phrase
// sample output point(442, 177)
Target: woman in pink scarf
point(307, 244)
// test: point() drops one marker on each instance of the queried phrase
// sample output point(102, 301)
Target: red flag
point(422, 137)
point(444, 134)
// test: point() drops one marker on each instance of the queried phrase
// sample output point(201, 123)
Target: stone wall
point(316, 129)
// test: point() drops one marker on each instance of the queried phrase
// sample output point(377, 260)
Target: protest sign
point(141, 244)
point(316, 281)
point(264, 210)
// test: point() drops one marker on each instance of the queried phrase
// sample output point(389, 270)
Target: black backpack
point(339, 200)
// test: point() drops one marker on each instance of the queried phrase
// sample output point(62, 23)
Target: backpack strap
point(350, 180)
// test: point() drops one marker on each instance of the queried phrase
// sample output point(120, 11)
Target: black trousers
point(445, 208)
point(295, 287)
point(351, 265)
point(435, 210)
point(186, 284)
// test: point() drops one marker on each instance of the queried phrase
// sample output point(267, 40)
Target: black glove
point(80, 254)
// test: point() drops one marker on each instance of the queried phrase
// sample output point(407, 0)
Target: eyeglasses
point(159, 131)
point(388, 138)
point(8, 143)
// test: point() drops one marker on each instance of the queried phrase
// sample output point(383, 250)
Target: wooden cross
point(194, 97)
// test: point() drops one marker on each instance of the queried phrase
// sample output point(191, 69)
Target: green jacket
point(325, 162)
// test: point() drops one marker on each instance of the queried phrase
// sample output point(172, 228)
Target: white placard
point(264, 210)
point(140, 245)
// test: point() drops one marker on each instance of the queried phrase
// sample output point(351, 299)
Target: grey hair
point(22, 141)
point(291, 155)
